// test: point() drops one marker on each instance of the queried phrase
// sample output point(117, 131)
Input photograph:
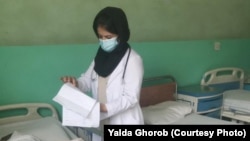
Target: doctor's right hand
point(70, 79)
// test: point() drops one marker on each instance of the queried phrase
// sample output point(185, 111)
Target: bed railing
point(29, 111)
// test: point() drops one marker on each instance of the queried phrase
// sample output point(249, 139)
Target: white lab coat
point(122, 93)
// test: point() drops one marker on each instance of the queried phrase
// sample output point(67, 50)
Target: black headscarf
point(115, 21)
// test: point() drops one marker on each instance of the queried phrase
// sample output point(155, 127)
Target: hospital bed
point(236, 100)
point(159, 104)
point(32, 122)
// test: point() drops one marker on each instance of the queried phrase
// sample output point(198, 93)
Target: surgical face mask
point(108, 45)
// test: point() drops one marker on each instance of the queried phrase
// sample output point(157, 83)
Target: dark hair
point(114, 20)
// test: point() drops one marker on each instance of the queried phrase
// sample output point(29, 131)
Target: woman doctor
point(115, 75)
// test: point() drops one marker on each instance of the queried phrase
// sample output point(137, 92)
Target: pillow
point(17, 136)
point(166, 112)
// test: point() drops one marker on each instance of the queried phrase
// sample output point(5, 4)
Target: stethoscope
point(94, 75)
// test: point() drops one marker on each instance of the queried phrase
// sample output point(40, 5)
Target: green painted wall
point(43, 22)
point(32, 73)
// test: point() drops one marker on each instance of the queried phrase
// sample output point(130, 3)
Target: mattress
point(45, 129)
point(196, 119)
point(237, 101)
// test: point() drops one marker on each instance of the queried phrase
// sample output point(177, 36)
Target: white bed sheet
point(45, 129)
point(195, 119)
point(237, 100)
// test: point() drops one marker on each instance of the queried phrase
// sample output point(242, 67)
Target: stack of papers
point(79, 109)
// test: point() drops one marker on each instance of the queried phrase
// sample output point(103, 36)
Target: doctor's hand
point(70, 79)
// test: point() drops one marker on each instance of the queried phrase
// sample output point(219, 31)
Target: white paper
point(79, 109)
point(70, 118)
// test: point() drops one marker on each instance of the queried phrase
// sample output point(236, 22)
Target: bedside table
point(246, 86)
point(204, 100)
